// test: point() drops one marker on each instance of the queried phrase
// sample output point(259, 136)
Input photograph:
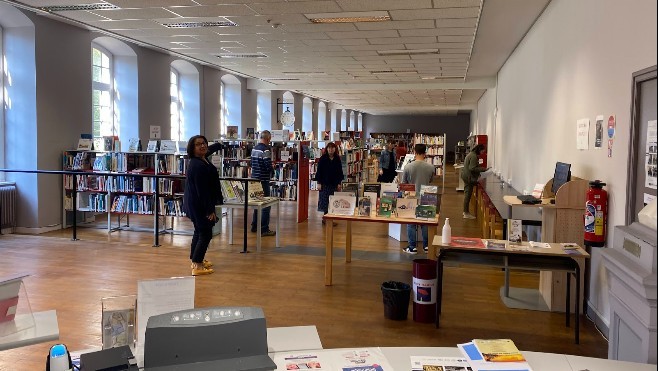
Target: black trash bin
point(396, 300)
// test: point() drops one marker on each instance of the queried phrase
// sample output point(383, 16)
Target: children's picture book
point(228, 192)
point(372, 196)
point(153, 146)
point(365, 207)
point(406, 208)
point(118, 328)
point(425, 212)
point(256, 191)
point(388, 187)
point(133, 144)
point(373, 188)
point(385, 206)
point(168, 146)
point(498, 350)
point(342, 205)
point(514, 231)
point(495, 245)
point(232, 132)
point(251, 133)
point(408, 190)
point(467, 242)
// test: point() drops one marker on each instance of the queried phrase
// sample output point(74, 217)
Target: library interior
point(181, 182)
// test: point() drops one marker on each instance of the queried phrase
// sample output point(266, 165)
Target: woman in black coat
point(202, 193)
point(329, 175)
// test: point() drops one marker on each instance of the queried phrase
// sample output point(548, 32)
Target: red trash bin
point(424, 290)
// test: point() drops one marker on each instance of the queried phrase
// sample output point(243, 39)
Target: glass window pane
point(173, 91)
point(96, 73)
point(173, 77)
point(105, 75)
point(96, 113)
point(95, 97)
point(105, 61)
point(105, 98)
point(96, 56)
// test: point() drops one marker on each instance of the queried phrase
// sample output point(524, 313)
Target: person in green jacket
point(470, 174)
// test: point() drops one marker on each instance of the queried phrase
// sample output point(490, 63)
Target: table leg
point(568, 300)
point(506, 289)
point(348, 242)
point(328, 254)
point(230, 226)
point(278, 217)
point(258, 226)
point(577, 304)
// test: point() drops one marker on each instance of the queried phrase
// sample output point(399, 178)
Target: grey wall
point(456, 127)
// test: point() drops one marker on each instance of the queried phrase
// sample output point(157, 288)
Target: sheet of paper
point(582, 134)
point(651, 158)
point(161, 296)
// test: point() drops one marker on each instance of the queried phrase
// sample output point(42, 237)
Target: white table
point(45, 329)
point(257, 206)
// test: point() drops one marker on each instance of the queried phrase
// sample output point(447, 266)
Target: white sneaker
point(469, 216)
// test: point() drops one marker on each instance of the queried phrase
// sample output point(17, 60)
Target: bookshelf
point(377, 141)
point(460, 152)
point(118, 184)
point(435, 154)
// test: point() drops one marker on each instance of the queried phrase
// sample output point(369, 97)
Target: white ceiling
point(339, 62)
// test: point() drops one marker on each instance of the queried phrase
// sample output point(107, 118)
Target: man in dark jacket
point(261, 169)
point(470, 174)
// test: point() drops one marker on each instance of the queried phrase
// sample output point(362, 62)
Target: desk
point(45, 329)
point(257, 205)
point(536, 259)
point(329, 238)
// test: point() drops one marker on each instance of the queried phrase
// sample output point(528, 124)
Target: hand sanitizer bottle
point(446, 234)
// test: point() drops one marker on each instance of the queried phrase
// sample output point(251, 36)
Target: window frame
point(222, 108)
point(3, 105)
point(179, 106)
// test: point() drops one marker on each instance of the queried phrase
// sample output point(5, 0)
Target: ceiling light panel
point(456, 3)
point(83, 7)
point(348, 17)
point(212, 11)
point(404, 40)
point(407, 51)
point(351, 5)
point(275, 8)
point(199, 24)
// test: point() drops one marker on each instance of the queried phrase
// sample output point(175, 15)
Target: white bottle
point(446, 235)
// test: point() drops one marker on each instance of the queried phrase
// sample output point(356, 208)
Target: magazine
point(496, 245)
point(467, 242)
point(514, 231)
point(498, 350)
point(419, 363)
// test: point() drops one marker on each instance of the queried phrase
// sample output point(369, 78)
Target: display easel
point(562, 222)
point(18, 325)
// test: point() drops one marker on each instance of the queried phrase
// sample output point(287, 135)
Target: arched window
point(334, 121)
point(307, 116)
point(222, 108)
point(231, 104)
point(322, 119)
point(102, 93)
point(3, 106)
point(359, 122)
point(264, 107)
point(343, 120)
point(175, 106)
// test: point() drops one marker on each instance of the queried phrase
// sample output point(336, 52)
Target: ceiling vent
point(244, 55)
point(199, 24)
point(65, 8)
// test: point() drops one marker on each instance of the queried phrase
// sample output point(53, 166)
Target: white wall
point(576, 62)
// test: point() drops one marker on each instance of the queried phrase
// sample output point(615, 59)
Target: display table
point(329, 238)
point(256, 205)
point(45, 329)
point(522, 257)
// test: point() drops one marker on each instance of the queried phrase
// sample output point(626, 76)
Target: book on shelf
point(467, 242)
point(406, 208)
point(153, 146)
point(168, 146)
point(85, 144)
point(342, 205)
point(388, 187)
point(251, 133)
point(108, 143)
point(98, 144)
point(133, 144)
point(232, 132)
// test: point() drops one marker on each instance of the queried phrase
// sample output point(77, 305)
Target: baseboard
point(601, 324)
point(9, 230)
point(37, 230)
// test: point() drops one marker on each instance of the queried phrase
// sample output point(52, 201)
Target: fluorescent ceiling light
point(244, 55)
point(280, 79)
point(199, 24)
point(64, 8)
point(398, 72)
point(408, 52)
point(349, 17)
point(440, 77)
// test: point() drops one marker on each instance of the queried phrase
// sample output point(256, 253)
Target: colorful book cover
point(406, 208)
point(514, 231)
point(365, 206)
point(251, 133)
point(373, 201)
point(342, 205)
point(425, 212)
point(467, 242)
point(385, 206)
point(372, 187)
point(495, 245)
point(498, 350)
point(232, 132)
point(408, 190)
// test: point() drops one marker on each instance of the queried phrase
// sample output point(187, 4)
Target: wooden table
point(329, 238)
point(259, 206)
point(522, 257)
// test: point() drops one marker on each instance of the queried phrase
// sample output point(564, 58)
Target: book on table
point(467, 242)
point(406, 207)
point(342, 205)
point(385, 206)
point(498, 350)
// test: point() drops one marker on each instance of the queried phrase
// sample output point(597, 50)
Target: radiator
point(7, 206)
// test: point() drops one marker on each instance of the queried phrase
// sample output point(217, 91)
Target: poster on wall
point(651, 160)
point(598, 140)
point(582, 134)
point(612, 123)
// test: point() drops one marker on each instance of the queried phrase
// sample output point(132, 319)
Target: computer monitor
point(561, 176)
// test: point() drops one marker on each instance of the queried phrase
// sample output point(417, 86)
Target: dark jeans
point(265, 219)
point(468, 192)
point(200, 241)
point(411, 235)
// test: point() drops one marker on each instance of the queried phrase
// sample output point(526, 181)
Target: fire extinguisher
point(596, 213)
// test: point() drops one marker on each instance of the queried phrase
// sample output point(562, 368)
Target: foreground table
point(329, 238)
point(522, 257)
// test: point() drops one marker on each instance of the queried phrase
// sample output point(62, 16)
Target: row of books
point(429, 139)
point(284, 191)
point(122, 183)
point(236, 169)
point(285, 172)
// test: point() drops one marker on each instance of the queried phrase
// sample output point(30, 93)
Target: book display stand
point(118, 321)
point(19, 326)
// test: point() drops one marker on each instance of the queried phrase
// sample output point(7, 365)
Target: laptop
point(529, 199)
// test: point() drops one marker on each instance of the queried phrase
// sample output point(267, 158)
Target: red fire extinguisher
point(596, 213)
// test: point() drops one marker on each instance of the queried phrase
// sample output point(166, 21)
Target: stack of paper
point(494, 354)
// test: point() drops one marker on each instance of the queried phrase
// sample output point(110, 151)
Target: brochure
point(541, 245)
point(467, 242)
point(419, 363)
point(498, 350)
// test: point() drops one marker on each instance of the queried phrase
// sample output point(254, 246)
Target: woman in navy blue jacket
point(202, 193)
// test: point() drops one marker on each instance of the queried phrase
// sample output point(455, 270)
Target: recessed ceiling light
point(349, 17)
point(199, 24)
point(64, 8)
point(244, 55)
point(408, 52)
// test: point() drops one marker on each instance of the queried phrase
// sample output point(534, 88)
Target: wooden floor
point(288, 283)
